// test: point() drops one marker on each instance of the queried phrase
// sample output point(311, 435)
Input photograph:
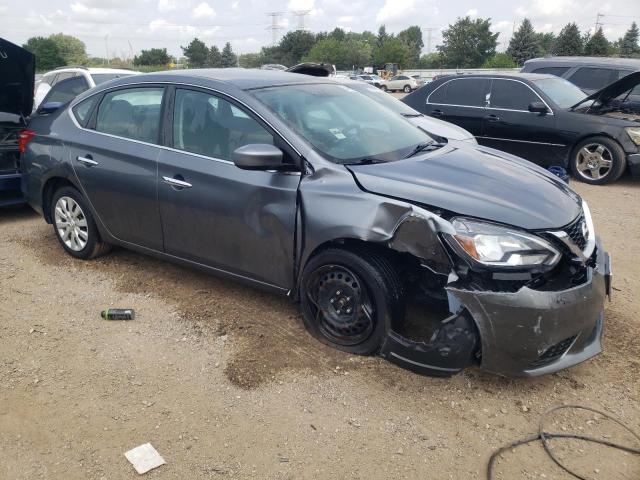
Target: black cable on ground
point(544, 438)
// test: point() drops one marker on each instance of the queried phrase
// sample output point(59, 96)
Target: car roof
point(96, 70)
point(610, 62)
point(514, 75)
point(243, 78)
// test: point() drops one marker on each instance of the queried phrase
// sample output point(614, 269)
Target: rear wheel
point(598, 160)
point(349, 300)
point(407, 89)
point(74, 225)
point(384, 88)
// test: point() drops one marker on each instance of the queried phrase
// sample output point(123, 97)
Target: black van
point(590, 74)
point(17, 76)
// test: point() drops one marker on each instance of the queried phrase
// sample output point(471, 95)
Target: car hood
point(478, 182)
point(613, 90)
point(314, 69)
point(440, 128)
point(17, 78)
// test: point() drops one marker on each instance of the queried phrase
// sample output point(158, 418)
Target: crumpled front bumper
point(523, 333)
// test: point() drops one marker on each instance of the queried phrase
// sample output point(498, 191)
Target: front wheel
point(350, 300)
point(384, 88)
point(407, 89)
point(598, 160)
point(74, 225)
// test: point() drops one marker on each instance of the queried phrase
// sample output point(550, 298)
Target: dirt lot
point(225, 383)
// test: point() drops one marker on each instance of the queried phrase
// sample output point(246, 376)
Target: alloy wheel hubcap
point(343, 310)
point(71, 224)
point(594, 161)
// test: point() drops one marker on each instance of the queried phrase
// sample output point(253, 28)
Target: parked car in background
point(17, 73)
point(419, 80)
point(543, 118)
point(372, 79)
point(401, 83)
point(273, 66)
point(305, 187)
point(86, 76)
point(588, 73)
point(438, 129)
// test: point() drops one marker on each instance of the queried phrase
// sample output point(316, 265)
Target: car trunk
point(17, 77)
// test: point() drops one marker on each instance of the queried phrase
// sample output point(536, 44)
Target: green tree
point(292, 47)
point(412, 38)
point(500, 60)
point(46, 51)
point(345, 55)
point(337, 34)
point(197, 53)
point(523, 45)
point(430, 61)
point(597, 45)
point(569, 41)
point(545, 42)
point(392, 50)
point(229, 59)
point(250, 60)
point(629, 43)
point(70, 48)
point(154, 56)
point(467, 43)
point(214, 59)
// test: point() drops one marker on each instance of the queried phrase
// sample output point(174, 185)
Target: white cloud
point(203, 10)
point(396, 11)
point(300, 5)
point(167, 5)
point(235, 5)
point(472, 13)
point(548, 8)
point(3, 9)
point(345, 19)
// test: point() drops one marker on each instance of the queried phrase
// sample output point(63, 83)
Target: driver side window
point(212, 126)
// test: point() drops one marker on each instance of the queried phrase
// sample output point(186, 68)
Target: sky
point(124, 27)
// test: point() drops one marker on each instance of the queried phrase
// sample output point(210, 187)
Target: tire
point(384, 88)
point(83, 241)
point(598, 160)
point(407, 89)
point(374, 299)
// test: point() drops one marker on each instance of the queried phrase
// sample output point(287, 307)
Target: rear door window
point(83, 110)
point(66, 90)
point(511, 95)
point(592, 78)
point(466, 92)
point(557, 71)
point(132, 113)
point(211, 126)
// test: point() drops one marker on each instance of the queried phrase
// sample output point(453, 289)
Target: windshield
point(560, 91)
point(99, 78)
point(386, 100)
point(344, 125)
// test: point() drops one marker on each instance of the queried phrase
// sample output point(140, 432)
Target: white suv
point(402, 82)
point(92, 77)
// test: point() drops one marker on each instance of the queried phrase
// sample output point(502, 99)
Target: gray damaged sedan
point(435, 255)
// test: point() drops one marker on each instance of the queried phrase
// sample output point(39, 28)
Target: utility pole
point(300, 14)
point(275, 26)
point(429, 30)
point(598, 23)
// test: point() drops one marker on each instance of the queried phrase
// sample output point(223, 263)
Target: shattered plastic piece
point(144, 458)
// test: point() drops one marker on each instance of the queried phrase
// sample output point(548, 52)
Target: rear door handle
point(176, 182)
point(492, 118)
point(88, 161)
point(436, 113)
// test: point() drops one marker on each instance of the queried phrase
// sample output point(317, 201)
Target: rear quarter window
point(82, 111)
point(557, 71)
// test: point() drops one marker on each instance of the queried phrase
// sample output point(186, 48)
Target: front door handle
point(492, 118)
point(436, 113)
point(176, 182)
point(88, 161)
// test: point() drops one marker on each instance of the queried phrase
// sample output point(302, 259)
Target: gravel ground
point(225, 383)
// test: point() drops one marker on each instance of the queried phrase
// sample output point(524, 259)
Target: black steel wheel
point(349, 300)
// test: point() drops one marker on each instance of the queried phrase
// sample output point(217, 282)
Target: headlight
point(634, 134)
point(497, 246)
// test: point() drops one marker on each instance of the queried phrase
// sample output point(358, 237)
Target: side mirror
point(258, 156)
point(538, 107)
point(49, 107)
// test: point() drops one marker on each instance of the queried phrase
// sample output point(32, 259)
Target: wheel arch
point(49, 188)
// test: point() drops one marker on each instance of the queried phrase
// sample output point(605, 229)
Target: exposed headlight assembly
point(634, 134)
point(501, 247)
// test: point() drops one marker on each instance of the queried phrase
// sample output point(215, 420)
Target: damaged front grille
point(552, 353)
point(576, 232)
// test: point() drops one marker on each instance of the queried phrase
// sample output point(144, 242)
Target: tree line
point(467, 43)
